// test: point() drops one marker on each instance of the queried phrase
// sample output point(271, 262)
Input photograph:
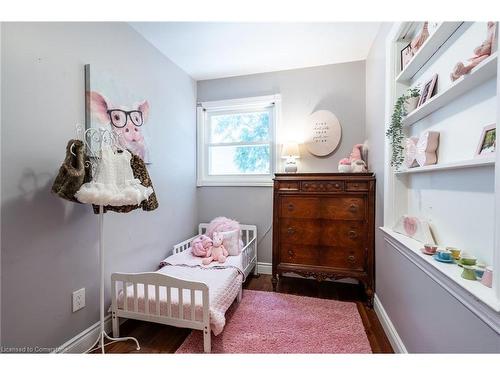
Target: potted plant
point(395, 131)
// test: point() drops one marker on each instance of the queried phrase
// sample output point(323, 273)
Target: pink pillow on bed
point(231, 241)
point(200, 245)
point(221, 224)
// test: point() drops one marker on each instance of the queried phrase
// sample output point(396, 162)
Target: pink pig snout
point(132, 134)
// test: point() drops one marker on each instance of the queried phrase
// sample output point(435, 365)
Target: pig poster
point(112, 105)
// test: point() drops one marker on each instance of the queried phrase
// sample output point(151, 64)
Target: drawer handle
point(356, 185)
point(337, 186)
point(351, 259)
point(353, 208)
point(291, 207)
point(291, 230)
point(352, 234)
point(290, 253)
point(306, 185)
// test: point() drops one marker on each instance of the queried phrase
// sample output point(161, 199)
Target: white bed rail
point(186, 309)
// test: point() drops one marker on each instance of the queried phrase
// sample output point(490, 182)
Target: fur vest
point(73, 173)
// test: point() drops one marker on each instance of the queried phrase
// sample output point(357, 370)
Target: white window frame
point(253, 103)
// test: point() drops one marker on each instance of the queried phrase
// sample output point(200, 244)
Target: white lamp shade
point(290, 150)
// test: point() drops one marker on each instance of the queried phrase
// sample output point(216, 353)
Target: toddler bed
point(183, 293)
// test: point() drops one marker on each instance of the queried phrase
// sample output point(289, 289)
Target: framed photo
point(428, 90)
point(406, 56)
point(487, 142)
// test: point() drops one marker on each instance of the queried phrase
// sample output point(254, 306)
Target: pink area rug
point(282, 323)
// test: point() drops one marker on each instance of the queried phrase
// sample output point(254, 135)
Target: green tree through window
point(245, 127)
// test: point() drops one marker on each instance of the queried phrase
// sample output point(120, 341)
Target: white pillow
point(231, 241)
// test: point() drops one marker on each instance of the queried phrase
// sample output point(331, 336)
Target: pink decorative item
point(410, 152)
point(487, 279)
point(355, 163)
point(426, 148)
point(201, 245)
point(480, 53)
point(344, 165)
point(217, 253)
point(420, 39)
point(410, 224)
point(415, 228)
point(265, 322)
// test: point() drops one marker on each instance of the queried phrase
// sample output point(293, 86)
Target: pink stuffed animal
point(480, 53)
point(201, 245)
point(217, 252)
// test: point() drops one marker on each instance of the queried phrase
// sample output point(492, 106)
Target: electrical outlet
point(78, 299)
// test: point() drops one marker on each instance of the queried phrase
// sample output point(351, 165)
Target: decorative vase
point(411, 104)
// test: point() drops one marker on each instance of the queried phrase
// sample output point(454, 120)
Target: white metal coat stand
point(94, 139)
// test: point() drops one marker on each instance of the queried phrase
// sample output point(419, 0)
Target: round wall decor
point(323, 133)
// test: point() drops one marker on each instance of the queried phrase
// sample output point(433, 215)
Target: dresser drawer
point(322, 186)
point(299, 254)
point(341, 257)
point(322, 232)
point(342, 208)
point(356, 186)
point(325, 256)
point(288, 185)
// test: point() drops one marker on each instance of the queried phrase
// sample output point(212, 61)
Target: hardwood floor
point(158, 338)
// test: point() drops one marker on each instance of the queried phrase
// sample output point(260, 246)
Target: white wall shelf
point(479, 75)
point(477, 162)
point(427, 50)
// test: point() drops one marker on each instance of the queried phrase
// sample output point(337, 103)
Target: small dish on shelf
point(423, 250)
point(436, 257)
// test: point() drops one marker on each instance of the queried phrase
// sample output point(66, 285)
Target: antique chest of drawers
point(323, 226)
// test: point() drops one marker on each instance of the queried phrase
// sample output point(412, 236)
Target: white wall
point(339, 88)
point(426, 316)
point(49, 246)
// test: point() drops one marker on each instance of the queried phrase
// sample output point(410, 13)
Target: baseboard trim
point(82, 342)
point(397, 343)
point(264, 268)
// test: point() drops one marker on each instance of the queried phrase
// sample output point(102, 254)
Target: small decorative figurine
point(356, 163)
point(480, 53)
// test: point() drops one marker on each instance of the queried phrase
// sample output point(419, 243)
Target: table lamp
point(290, 152)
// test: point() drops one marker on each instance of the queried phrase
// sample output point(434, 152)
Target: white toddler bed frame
point(249, 260)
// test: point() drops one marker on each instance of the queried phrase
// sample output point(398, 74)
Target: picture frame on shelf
point(428, 90)
point(406, 56)
point(487, 141)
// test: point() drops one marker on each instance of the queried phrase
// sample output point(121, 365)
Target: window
point(236, 141)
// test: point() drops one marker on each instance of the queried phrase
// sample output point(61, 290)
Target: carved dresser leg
point(369, 297)
point(274, 281)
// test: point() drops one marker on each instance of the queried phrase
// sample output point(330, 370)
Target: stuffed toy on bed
point(217, 253)
point(201, 245)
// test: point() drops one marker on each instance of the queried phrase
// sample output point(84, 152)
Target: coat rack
point(94, 140)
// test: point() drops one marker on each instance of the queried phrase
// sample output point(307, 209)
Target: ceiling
point(207, 50)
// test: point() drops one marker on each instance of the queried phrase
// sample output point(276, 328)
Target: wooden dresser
point(323, 226)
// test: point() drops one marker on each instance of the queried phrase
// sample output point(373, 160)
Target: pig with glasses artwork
point(126, 121)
